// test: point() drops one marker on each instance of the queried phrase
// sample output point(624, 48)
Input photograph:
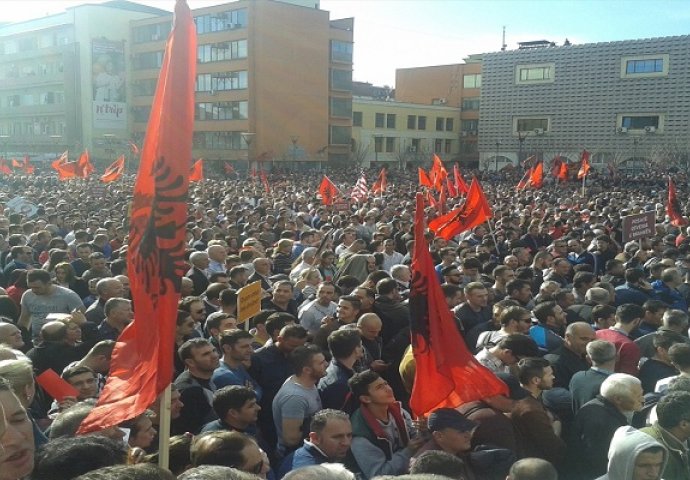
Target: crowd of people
point(589, 334)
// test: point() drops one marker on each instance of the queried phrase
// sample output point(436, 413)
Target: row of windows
point(624, 122)
point(35, 127)
point(31, 69)
point(414, 122)
point(29, 99)
point(219, 141)
point(214, 82)
point(341, 79)
point(338, 135)
point(341, 51)
point(152, 33)
point(34, 42)
point(217, 52)
point(341, 107)
point(470, 103)
point(388, 145)
point(222, 110)
point(218, 22)
point(473, 80)
point(145, 60)
point(469, 125)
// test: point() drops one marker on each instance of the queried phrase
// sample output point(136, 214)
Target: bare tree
point(358, 153)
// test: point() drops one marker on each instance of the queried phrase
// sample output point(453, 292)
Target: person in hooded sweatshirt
point(634, 455)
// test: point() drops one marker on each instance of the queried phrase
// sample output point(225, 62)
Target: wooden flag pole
point(164, 429)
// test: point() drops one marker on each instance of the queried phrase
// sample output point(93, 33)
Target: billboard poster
point(108, 83)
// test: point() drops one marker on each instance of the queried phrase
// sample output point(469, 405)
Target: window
point(470, 104)
point(469, 125)
point(472, 81)
point(146, 60)
point(380, 118)
point(530, 125)
point(341, 107)
point(378, 144)
point(222, 110)
point(468, 147)
point(447, 146)
point(210, 82)
point(356, 119)
point(411, 122)
point(644, 66)
point(340, 135)
point(390, 120)
point(390, 144)
point(439, 124)
point(341, 51)
point(421, 123)
point(218, 140)
point(152, 33)
point(531, 74)
point(221, 21)
point(438, 145)
point(216, 52)
point(449, 124)
point(640, 122)
point(341, 79)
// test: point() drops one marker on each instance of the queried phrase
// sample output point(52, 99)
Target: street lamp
point(248, 138)
point(498, 146)
point(294, 139)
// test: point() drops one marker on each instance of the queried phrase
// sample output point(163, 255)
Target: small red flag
point(438, 173)
point(133, 147)
point(196, 173)
point(328, 191)
point(452, 191)
point(442, 197)
point(524, 181)
point(473, 212)
point(142, 361)
point(675, 213)
point(264, 180)
point(584, 165)
point(380, 185)
point(447, 375)
point(460, 184)
point(84, 166)
point(229, 169)
point(424, 180)
point(17, 163)
point(536, 178)
point(114, 171)
point(4, 167)
point(563, 172)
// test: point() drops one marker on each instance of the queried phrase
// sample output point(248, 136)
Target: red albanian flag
point(473, 212)
point(328, 191)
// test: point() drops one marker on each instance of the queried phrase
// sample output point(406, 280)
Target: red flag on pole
point(524, 181)
point(584, 165)
point(196, 173)
point(4, 167)
point(264, 180)
point(447, 375)
point(114, 171)
point(460, 184)
point(563, 172)
point(142, 361)
point(473, 212)
point(380, 185)
point(328, 191)
point(675, 213)
point(424, 180)
point(133, 147)
point(438, 173)
point(536, 178)
point(17, 163)
point(84, 166)
point(452, 191)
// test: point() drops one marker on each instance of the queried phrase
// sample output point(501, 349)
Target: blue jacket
point(672, 298)
point(333, 387)
point(628, 293)
point(304, 456)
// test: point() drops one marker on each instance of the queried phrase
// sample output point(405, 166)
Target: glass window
point(208, 82)
point(634, 122)
point(447, 146)
point(390, 144)
point(378, 144)
point(341, 107)
point(449, 124)
point(421, 123)
point(379, 120)
point(439, 124)
point(152, 33)
point(341, 51)
point(470, 103)
point(222, 110)
point(438, 145)
point(341, 79)
point(390, 120)
point(340, 135)
point(411, 122)
point(469, 125)
point(216, 52)
point(652, 65)
point(218, 140)
point(472, 81)
point(221, 21)
point(356, 119)
point(531, 124)
point(535, 74)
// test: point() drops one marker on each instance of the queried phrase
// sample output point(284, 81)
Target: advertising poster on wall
point(108, 80)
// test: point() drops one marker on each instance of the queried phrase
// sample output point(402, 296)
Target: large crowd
point(588, 333)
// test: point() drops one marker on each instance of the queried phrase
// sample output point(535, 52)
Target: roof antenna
point(503, 45)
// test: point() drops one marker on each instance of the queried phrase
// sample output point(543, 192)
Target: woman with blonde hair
point(282, 257)
point(20, 375)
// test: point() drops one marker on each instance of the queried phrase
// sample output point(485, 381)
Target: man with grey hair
point(584, 386)
point(308, 258)
point(106, 288)
point(118, 314)
point(217, 255)
point(595, 423)
point(674, 322)
point(215, 472)
point(197, 273)
point(666, 289)
point(532, 469)
point(402, 275)
point(594, 296)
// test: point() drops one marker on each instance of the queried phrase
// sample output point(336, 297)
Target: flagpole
point(493, 235)
point(164, 429)
point(584, 177)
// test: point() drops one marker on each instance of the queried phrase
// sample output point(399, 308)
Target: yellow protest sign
point(248, 301)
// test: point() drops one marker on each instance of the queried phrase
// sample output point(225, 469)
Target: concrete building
point(63, 80)
point(401, 134)
point(274, 82)
point(627, 102)
point(457, 86)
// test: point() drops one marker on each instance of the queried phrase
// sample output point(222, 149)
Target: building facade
point(64, 80)
point(274, 83)
point(457, 86)
point(402, 134)
point(626, 102)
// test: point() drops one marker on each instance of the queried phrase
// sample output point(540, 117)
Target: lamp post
point(498, 146)
point(294, 139)
point(248, 138)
